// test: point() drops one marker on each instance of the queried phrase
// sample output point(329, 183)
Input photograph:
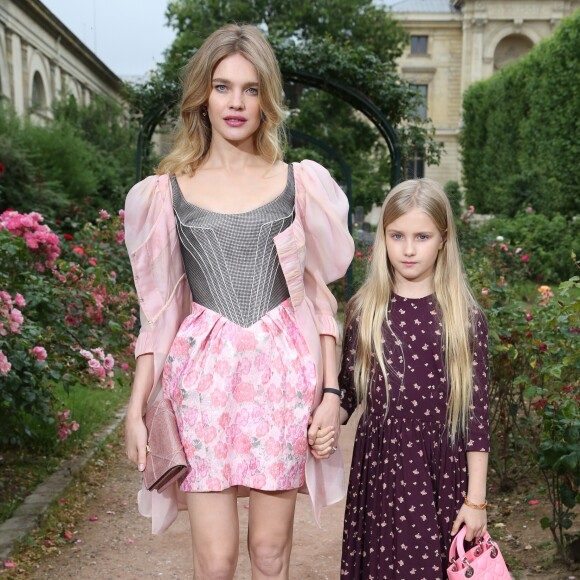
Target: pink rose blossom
point(39, 353)
point(525, 258)
point(109, 362)
point(5, 366)
point(19, 300)
point(104, 214)
point(485, 291)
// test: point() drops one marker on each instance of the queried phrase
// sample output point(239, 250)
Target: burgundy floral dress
point(407, 480)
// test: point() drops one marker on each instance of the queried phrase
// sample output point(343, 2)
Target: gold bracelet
point(475, 506)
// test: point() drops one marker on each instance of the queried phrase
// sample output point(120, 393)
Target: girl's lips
point(409, 263)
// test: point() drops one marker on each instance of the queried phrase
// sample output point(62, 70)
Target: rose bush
point(61, 297)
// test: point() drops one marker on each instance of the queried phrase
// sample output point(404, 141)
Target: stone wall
point(42, 60)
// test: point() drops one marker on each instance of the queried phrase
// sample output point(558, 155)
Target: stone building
point(454, 43)
point(42, 60)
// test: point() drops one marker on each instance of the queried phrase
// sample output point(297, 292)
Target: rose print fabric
point(242, 397)
point(407, 480)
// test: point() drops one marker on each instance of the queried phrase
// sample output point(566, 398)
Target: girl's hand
point(136, 441)
point(323, 446)
point(475, 522)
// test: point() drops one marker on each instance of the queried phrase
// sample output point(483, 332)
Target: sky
point(129, 36)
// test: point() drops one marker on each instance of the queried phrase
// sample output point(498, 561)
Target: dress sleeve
point(329, 245)
point(478, 435)
point(349, 400)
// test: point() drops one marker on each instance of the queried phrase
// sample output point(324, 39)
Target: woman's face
point(233, 106)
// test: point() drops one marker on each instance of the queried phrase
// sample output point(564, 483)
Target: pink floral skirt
point(242, 397)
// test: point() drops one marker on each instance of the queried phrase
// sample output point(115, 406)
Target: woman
point(231, 251)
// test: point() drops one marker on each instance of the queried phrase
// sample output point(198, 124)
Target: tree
point(351, 40)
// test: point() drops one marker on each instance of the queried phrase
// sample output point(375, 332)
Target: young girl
point(231, 251)
point(415, 357)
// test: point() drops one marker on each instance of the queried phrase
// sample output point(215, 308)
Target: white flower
point(499, 239)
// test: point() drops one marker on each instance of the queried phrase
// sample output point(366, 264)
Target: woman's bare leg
point(270, 530)
point(215, 533)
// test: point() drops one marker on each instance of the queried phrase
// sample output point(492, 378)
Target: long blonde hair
point(455, 301)
point(193, 137)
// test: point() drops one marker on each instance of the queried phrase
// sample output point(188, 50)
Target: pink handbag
point(166, 460)
point(482, 562)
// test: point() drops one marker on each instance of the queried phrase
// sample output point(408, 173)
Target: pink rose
point(5, 366)
point(19, 300)
point(104, 214)
point(109, 362)
point(94, 363)
point(525, 258)
point(39, 353)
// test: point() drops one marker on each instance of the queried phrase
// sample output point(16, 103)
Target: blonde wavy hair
point(455, 301)
point(193, 138)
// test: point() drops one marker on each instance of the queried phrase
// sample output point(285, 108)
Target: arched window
point(511, 48)
point(38, 99)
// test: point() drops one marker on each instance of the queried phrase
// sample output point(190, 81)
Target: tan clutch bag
point(165, 456)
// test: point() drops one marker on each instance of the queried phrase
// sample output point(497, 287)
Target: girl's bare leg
point(270, 528)
point(215, 533)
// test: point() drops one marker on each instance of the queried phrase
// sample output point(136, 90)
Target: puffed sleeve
point(349, 400)
point(478, 434)
point(138, 208)
point(329, 245)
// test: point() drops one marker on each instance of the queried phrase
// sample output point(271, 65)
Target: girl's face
point(234, 105)
point(413, 243)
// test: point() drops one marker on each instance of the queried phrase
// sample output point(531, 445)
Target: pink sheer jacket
point(314, 251)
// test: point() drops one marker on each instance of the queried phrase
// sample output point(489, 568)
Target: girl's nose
point(409, 248)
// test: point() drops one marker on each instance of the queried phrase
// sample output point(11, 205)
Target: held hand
point(323, 446)
point(136, 441)
point(475, 522)
point(326, 416)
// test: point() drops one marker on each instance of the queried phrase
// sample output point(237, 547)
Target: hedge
point(520, 142)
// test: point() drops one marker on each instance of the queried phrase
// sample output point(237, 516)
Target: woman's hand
point(135, 430)
point(323, 446)
point(325, 419)
point(136, 440)
point(475, 522)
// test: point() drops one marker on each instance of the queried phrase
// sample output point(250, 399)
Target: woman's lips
point(235, 121)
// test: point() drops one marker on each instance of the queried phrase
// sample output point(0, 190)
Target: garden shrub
point(519, 143)
point(66, 313)
point(548, 242)
point(81, 162)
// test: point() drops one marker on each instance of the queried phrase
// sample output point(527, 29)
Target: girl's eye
point(253, 91)
point(220, 88)
point(396, 236)
point(423, 236)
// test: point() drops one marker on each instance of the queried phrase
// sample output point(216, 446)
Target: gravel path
point(119, 545)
